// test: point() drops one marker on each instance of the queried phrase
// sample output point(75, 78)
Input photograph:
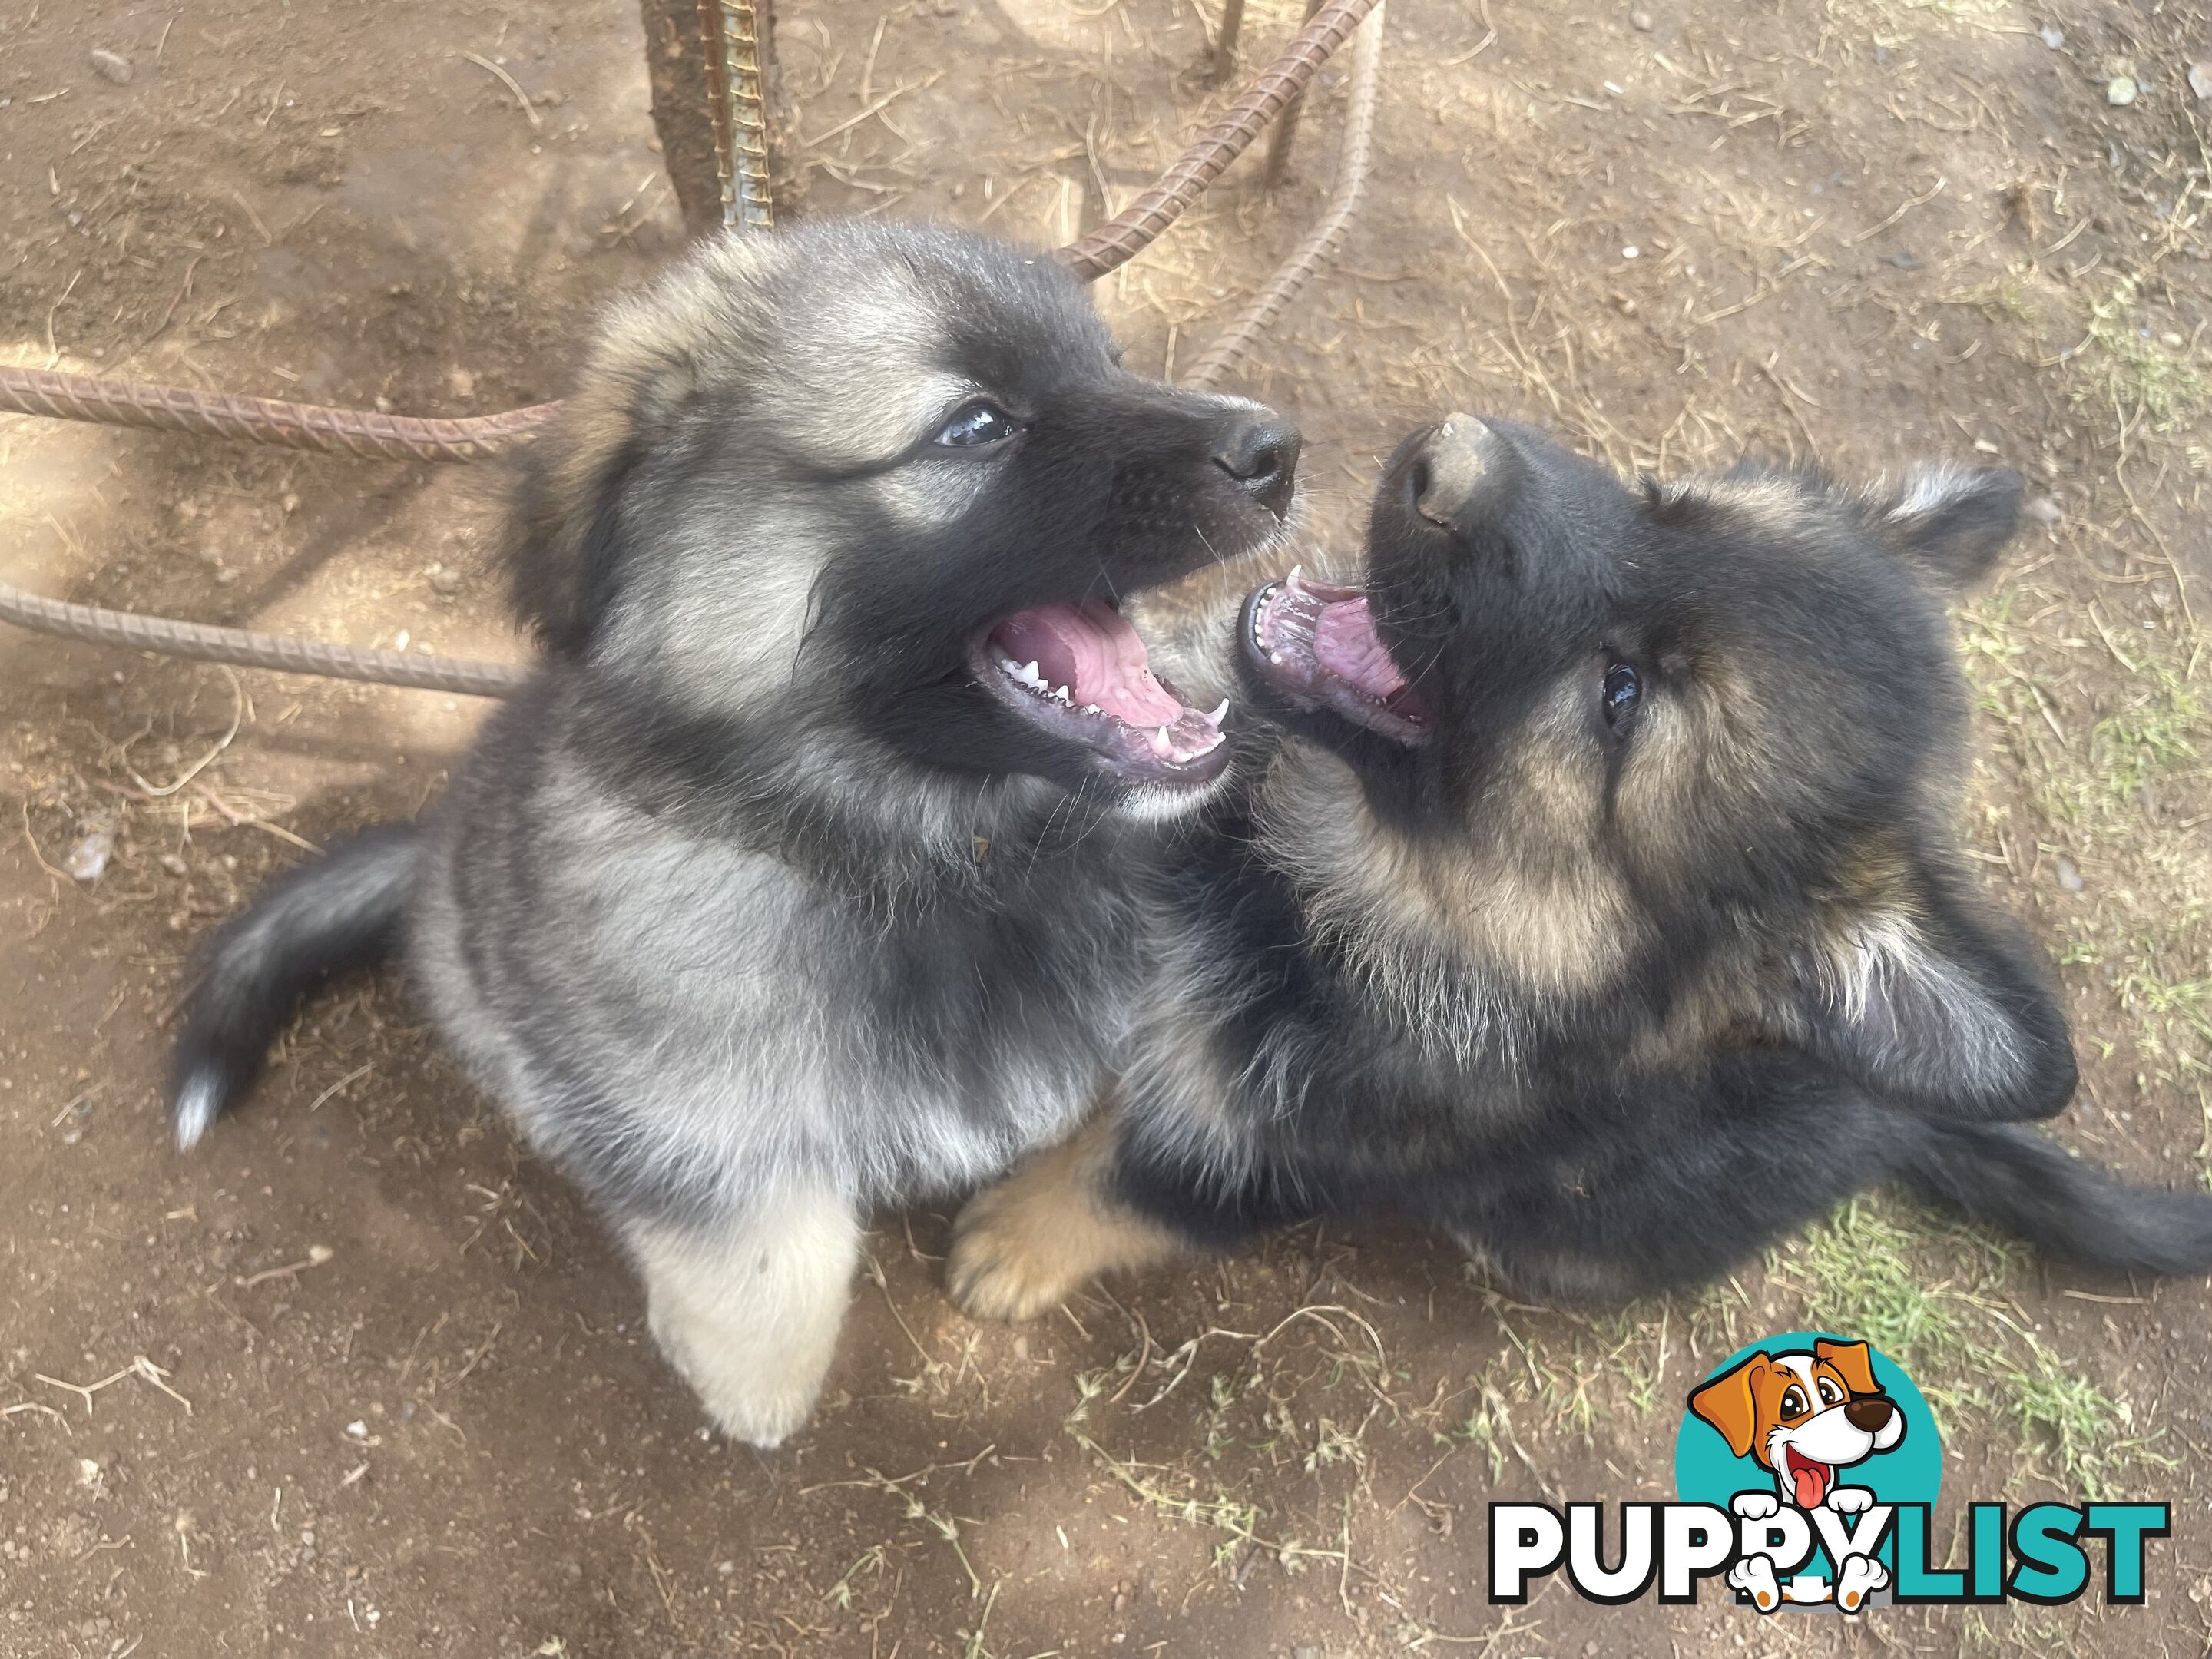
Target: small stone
point(112, 65)
point(2120, 91)
point(2200, 79)
point(445, 582)
point(2044, 510)
point(1905, 261)
point(172, 863)
point(1631, 252)
point(88, 859)
point(1640, 22)
point(2053, 36)
point(2069, 874)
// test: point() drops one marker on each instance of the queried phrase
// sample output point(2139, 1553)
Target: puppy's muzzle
point(1262, 457)
point(1461, 470)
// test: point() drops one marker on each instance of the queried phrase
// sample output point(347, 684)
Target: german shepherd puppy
point(1601, 904)
point(797, 880)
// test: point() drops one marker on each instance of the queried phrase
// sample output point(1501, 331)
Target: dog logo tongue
point(1810, 1479)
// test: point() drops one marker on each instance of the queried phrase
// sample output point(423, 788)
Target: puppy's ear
point(1851, 1361)
point(565, 533)
point(1727, 1403)
point(1925, 996)
point(1951, 523)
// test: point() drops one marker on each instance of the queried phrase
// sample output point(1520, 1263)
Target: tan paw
point(1023, 1247)
point(1002, 1265)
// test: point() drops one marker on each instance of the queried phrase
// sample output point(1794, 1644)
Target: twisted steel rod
point(365, 432)
point(368, 433)
point(1321, 242)
point(248, 649)
point(1121, 238)
point(266, 420)
point(738, 100)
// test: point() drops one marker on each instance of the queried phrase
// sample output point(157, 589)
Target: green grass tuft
point(2156, 735)
point(2083, 1429)
point(2123, 367)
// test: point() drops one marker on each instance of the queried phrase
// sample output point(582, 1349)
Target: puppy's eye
point(1830, 1394)
point(977, 425)
point(1623, 694)
point(1793, 1402)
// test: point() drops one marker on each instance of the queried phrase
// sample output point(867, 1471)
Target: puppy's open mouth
point(1079, 673)
point(1316, 643)
point(1809, 1481)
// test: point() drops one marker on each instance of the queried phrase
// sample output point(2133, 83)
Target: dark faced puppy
point(797, 880)
point(857, 496)
point(1601, 904)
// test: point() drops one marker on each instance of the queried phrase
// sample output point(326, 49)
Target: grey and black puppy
point(1599, 901)
point(795, 882)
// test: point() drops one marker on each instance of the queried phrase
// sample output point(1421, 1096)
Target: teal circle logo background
point(1707, 1471)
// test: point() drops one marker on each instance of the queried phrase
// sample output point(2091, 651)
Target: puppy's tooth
point(1030, 675)
point(1060, 692)
point(1090, 707)
point(1291, 581)
point(1162, 745)
point(1275, 657)
point(1218, 715)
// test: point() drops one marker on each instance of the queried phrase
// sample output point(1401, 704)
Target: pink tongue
point(1090, 650)
point(1811, 1486)
point(1346, 644)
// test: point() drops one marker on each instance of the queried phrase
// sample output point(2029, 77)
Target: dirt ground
point(360, 1377)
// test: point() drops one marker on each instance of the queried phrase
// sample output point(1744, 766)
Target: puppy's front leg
point(746, 1304)
point(1023, 1247)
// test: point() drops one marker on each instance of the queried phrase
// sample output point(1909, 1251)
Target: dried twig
point(513, 86)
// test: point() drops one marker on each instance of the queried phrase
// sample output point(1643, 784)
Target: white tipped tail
point(199, 1097)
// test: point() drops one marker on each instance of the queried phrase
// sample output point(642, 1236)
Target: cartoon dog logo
point(1803, 1417)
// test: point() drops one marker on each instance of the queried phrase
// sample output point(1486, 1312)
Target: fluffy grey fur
point(761, 906)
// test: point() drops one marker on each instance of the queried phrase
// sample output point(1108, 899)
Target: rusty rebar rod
point(738, 94)
point(248, 649)
point(1321, 243)
point(266, 420)
point(368, 433)
point(1129, 232)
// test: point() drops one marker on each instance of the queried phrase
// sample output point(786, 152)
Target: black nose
point(1462, 464)
point(1262, 457)
point(1869, 1414)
